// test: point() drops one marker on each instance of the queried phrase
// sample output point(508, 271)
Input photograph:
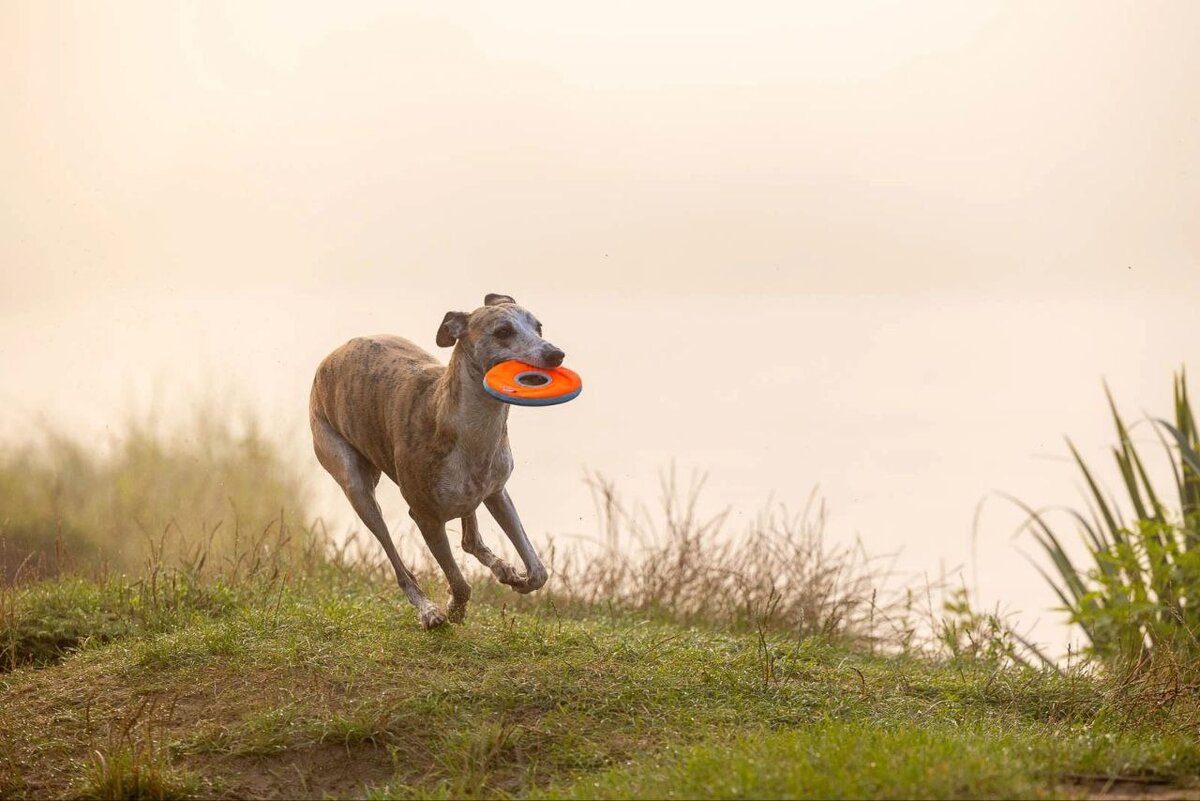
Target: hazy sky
point(685, 147)
point(917, 234)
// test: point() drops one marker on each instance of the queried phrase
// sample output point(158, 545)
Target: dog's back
point(375, 391)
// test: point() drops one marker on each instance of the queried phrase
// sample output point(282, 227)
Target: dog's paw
point(456, 612)
point(432, 617)
point(507, 574)
point(534, 581)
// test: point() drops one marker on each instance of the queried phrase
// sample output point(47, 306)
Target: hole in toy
point(533, 379)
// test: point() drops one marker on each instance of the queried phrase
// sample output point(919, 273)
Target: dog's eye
point(504, 332)
point(539, 329)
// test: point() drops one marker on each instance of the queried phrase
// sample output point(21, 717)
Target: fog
point(888, 250)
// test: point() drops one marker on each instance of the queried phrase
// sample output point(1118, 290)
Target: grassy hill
point(269, 682)
point(167, 630)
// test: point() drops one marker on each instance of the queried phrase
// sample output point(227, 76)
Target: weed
point(1137, 599)
point(131, 764)
point(779, 574)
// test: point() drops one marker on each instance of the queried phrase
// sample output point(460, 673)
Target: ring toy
point(525, 385)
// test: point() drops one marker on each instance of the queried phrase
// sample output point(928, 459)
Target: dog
point(382, 405)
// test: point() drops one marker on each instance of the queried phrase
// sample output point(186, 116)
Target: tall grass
point(206, 485)
point(1136, 596)
point(163, 505)
point(215, 498)
point(775, 573)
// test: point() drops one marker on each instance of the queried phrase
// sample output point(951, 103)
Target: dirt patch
point(340, 771)
point(54, 718)
point(1131, 789)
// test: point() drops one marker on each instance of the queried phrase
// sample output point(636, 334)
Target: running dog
point(383, 405)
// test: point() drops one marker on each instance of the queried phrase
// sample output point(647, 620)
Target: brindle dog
point(383, 405)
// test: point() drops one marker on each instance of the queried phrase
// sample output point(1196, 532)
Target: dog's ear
point(492, 299)
point(453, 326)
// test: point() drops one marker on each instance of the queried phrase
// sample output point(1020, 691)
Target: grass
point(1135, 597)
point(323, 684)
point(777, 573)
point(858, 759)
point(212, 482)
point(678, 660)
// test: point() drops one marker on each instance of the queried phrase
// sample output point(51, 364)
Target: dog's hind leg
point(358, 479)
point(501, 507)
point(473, 544)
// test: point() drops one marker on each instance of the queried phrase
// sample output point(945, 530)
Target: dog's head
point(497, 331)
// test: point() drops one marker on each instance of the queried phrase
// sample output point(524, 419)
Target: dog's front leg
point(501, 507)
point(473, 544)
point(434, 532)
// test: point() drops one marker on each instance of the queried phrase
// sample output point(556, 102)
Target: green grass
point(1134, 595)
point(835, 759)
point(321, 683)
point(862, 759)
point(176, 635)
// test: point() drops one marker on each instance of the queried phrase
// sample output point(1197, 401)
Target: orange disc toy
point(525, 385)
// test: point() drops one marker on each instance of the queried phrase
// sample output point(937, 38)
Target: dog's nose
point(553, 356)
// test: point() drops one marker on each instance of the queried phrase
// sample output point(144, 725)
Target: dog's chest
point(466, 479)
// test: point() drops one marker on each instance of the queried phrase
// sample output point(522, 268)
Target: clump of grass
point(1136, 602)
point(44, 620)
point(125, 774)
point(132, 764)
point(778, 574)
point(964, 632)
point(213, 481)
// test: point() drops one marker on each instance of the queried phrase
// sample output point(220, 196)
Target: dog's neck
point(473, 419)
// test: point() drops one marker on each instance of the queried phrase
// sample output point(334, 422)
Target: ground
point(324, 685)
